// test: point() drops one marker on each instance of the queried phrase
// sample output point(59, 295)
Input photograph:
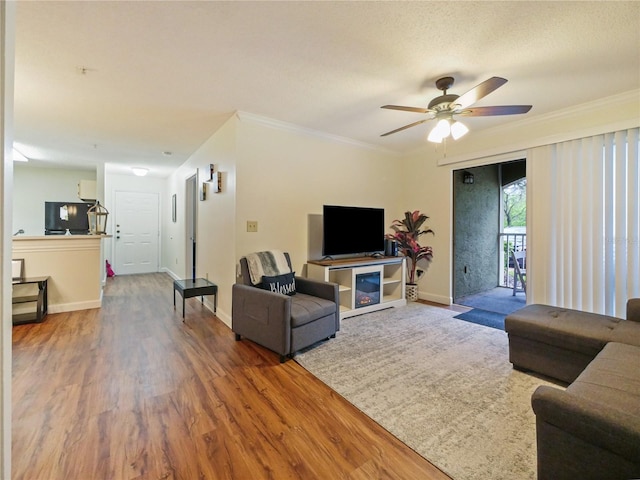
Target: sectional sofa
point(591, 429)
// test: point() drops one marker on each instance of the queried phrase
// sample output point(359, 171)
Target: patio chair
point(519, 259)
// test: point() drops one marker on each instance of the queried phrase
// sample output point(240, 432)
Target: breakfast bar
point(74, 266)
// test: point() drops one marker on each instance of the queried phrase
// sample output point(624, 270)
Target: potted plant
point(406, 234)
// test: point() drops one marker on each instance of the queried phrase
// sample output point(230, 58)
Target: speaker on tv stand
point(390, 248)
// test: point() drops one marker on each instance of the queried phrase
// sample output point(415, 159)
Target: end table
point(196, 287)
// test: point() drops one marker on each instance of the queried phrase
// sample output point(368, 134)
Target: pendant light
point(97, 219)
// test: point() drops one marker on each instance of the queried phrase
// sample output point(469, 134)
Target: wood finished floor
point(129, 391)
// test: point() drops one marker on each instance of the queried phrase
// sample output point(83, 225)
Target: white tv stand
point(365, 284)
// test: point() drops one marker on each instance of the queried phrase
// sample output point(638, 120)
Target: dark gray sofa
point(591, 430)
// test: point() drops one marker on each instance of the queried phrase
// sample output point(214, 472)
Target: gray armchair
point(284, 323)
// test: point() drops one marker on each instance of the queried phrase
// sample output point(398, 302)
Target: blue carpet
point(483, 317)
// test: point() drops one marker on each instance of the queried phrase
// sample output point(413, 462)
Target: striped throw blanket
point(270, 263)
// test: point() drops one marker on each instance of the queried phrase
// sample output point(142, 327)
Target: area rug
point(483, 317)
point(442, 386)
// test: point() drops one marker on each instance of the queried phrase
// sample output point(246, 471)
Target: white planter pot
point(411, 292)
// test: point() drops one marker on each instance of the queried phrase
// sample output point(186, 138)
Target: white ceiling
point(122, 82)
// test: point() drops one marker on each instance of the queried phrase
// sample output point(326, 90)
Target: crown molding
point(290, 127)
point(623, 100)
point(522, 147)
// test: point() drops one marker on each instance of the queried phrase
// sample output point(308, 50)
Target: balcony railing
point(508, 242)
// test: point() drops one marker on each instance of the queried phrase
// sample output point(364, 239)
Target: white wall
point(276, 176)
point(215, 236)
point(428, 189)
point(215, 214)
point(284, 175)
point(32, 186)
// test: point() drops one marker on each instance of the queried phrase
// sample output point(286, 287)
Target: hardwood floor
point(129, 391)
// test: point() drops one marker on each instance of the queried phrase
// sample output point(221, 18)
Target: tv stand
point(365, 284)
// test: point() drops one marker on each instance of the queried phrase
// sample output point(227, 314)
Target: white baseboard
point(72, 307)
point(430, 297)
point(226, 319)
point(171, 273)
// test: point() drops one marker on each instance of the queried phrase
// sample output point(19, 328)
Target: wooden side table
point(197, 287)
point(38, 299)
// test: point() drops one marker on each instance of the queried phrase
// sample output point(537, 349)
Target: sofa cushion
point(285, 283)
point(306, 308)
point(612, 379)
point(626, 331)
point(570, 329)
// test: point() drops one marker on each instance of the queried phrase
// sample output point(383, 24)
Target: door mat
point(483, 317)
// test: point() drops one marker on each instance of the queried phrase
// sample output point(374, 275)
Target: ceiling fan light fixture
point(458, 130)
point(445, 106)
point(434, 136)
point(443, 127)
point(440, 131)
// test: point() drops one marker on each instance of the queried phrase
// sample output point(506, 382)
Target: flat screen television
point(352, 230)
point(60, 216)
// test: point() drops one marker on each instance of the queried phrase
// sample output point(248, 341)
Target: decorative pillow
point(285, 284)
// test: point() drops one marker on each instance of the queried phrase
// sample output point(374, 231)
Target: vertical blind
point(583, 223)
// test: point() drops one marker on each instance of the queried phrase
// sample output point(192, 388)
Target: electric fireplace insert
point(367, 289)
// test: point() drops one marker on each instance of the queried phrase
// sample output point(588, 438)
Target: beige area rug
point(442, 386)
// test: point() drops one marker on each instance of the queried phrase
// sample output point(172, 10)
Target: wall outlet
point(252, 226)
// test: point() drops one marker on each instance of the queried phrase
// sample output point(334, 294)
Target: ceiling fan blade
point(498, 110)
point(406, 109)
point(405, 127)
point(478, 92)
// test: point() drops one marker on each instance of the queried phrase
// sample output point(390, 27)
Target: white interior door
point(137, 233)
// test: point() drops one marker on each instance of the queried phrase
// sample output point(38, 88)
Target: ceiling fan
point(444, 107)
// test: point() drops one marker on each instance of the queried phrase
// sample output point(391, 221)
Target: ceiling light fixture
point(446, 127)
point(139, 171)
